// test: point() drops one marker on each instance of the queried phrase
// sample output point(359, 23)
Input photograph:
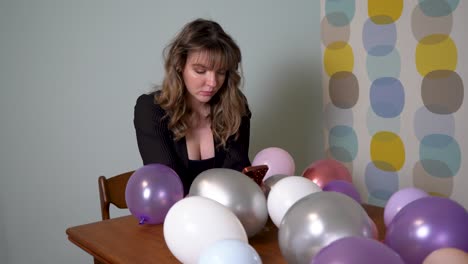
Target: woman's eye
point(200, 71)
point(222, 73)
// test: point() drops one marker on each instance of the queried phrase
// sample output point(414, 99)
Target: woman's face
point(201, 79)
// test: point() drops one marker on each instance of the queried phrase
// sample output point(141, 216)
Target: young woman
point(199, 119)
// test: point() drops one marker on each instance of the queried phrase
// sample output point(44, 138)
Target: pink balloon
point(447, 255)
point(278, 160)
point(326, 170)
point(400, 199)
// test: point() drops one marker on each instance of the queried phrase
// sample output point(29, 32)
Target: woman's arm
point(153, 137)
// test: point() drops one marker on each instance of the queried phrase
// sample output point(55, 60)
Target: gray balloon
point(317, 220)
point(269, 182)
point(237, 192)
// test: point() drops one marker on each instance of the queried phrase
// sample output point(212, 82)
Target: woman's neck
point(201, 113)
point(201, 110)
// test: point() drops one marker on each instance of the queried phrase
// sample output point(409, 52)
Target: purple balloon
point(400, 199)
point(356, 250)
point(151, 191)
point(425, 225)
point(343, 187)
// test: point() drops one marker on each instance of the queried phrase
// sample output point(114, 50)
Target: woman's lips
point(204, 93)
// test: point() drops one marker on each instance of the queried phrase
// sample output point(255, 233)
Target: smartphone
point(256, 173)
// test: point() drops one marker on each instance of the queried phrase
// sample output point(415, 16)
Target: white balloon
point(287, 192)
point(194, 223)
point(229, 251)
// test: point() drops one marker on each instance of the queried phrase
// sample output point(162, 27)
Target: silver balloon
point(317, 220)
point(269, 182)
point(237, 192)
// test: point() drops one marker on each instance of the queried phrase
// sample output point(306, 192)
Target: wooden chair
point(112, 191)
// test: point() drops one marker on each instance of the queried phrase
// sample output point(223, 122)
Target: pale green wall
point(70, 72)
point(3, 241)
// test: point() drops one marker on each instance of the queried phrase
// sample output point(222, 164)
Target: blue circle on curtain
point(427, 123)
point(438, 8)
point(440, 155)
point(384, 66)
point(340, 12)
point(335, 116)
point(343, 143)
point(379, 40)
point(376, 124)
point(387, 97)
point(380, 184)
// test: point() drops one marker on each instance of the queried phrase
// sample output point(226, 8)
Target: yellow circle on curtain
point(387, 151)
point(384, 12)
point(436, 52)
point(338, 57)
point(437, 194)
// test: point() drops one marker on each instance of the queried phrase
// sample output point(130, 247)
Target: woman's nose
point(211, 79)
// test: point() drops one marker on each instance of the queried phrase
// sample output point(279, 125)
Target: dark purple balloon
point(356, 250)
point(343, 187)
point(425, 225)
point(151, 191)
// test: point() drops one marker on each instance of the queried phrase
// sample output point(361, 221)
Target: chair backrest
point(112, 191)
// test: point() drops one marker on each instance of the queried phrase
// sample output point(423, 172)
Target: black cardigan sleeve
point(153, 137)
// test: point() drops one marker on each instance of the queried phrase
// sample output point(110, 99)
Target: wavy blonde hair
point(228, 105)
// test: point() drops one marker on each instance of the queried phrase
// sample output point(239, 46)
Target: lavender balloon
point(151, 191)
point(400, 199)
point(343, 187)
point(356, 250)
point(425, 225)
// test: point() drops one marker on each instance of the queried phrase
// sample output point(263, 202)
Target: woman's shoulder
point(146, 105)
point(147, 100)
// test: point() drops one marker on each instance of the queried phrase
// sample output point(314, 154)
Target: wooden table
point(123, 240)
